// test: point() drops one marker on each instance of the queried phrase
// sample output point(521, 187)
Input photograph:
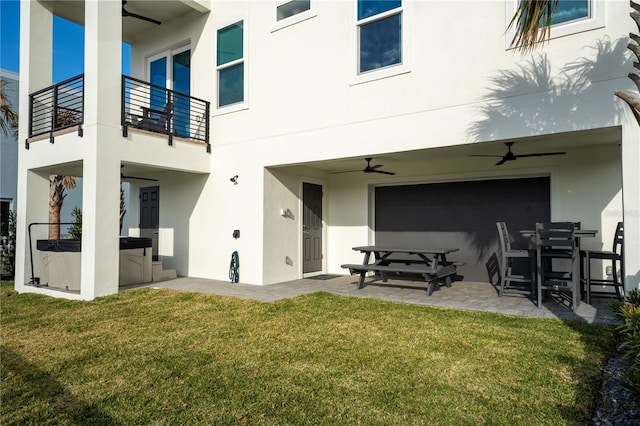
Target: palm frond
point(8, 116)
point(532, 23)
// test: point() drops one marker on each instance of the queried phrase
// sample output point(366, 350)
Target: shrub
point(75, 232)
point(629, 313)
point(8, 248)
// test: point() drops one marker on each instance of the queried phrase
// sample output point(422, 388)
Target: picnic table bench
point(431, 263)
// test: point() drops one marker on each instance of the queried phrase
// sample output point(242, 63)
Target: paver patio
point(468, 295)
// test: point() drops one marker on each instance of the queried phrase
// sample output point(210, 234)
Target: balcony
point(57, 107)
point(155, 109)
point(144, 106)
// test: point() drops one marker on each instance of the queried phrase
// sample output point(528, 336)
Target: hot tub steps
point(158, 273)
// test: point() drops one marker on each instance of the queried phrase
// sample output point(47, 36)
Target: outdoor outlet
point(283, 212)
point(608, 270)
point(236, 233)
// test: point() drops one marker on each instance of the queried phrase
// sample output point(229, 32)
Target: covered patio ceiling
point(163, 11)
point(557, 142)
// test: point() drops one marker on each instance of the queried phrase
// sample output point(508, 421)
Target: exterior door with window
point(312, 227)
point(171, 69)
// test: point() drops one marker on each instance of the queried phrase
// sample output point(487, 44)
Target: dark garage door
point(463, 215)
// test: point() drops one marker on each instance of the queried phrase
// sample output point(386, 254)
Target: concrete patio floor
point(475, 296)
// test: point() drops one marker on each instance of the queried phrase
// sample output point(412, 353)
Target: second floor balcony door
point(171, 69)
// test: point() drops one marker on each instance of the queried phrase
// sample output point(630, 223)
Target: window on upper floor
point(570, 10)
point(292, 8)
point(230, 64)
point(379, 32)
point(571, 17)
point(290, 12)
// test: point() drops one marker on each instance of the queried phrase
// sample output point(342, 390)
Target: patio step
point(158, 273)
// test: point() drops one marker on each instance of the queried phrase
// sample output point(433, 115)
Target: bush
point(8, 248)
point(629, 313)
point(75, 232)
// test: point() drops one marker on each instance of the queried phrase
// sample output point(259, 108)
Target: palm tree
point(57, 185)
point(532, 23)
point(8, 117)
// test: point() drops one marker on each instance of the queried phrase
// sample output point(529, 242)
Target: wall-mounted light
point(234, 180)
point(286, 213)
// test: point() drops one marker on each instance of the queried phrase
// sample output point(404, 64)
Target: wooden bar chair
point(616, 257)
point(507, 275)
point(556, 247)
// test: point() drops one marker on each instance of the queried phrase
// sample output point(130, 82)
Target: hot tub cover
point(59, 245)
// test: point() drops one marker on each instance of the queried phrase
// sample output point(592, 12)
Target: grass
point(162, 357)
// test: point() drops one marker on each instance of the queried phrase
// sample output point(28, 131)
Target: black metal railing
point(57, 107)
point(157, 109)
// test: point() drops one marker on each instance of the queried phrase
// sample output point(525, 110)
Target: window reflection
point(380, 43)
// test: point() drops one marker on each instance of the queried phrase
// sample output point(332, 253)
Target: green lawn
point(164, 357)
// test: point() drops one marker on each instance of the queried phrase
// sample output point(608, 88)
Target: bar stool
point(556, 241)
point(616, 257)
point(506, 271)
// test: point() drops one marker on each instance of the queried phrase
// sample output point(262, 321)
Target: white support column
point(101, 167)
point(631, 200)
point(102, 62)
point(36, 35)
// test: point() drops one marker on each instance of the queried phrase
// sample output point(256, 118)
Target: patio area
point(476, 296)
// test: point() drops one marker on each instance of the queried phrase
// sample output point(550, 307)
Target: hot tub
point(61, 260)
point(135, 260)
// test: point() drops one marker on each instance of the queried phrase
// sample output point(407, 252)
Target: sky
point(68, 44)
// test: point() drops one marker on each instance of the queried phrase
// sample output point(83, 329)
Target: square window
point(292, 8)
point(381, 43)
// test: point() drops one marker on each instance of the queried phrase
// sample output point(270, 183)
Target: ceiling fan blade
point(501, 162)
point(144, 18)
point(138, 178)
point(384, 172)
point(540, 154)
point(377, 166)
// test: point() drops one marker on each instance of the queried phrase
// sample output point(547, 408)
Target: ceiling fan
point(122, 176)
point(126, 13)
point(370, 168)
point(510, 156)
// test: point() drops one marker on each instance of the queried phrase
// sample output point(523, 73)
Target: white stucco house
point(252, 121)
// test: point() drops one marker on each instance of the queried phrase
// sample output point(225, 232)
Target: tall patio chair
point(616, 257)
point(155, 120)
point(507, 276)
point(557, 261)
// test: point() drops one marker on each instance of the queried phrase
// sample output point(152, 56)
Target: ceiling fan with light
point(510, 156)
point(369, 168)
point(126, 13)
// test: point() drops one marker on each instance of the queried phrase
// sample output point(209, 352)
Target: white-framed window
point(231, 67)
point(289, 12)
point(571, 17)
point(382, 39)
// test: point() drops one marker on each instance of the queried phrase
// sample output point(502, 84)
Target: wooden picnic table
point(431, 263)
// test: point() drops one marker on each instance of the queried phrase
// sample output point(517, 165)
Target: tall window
point(379, 34)
point(230, 64)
